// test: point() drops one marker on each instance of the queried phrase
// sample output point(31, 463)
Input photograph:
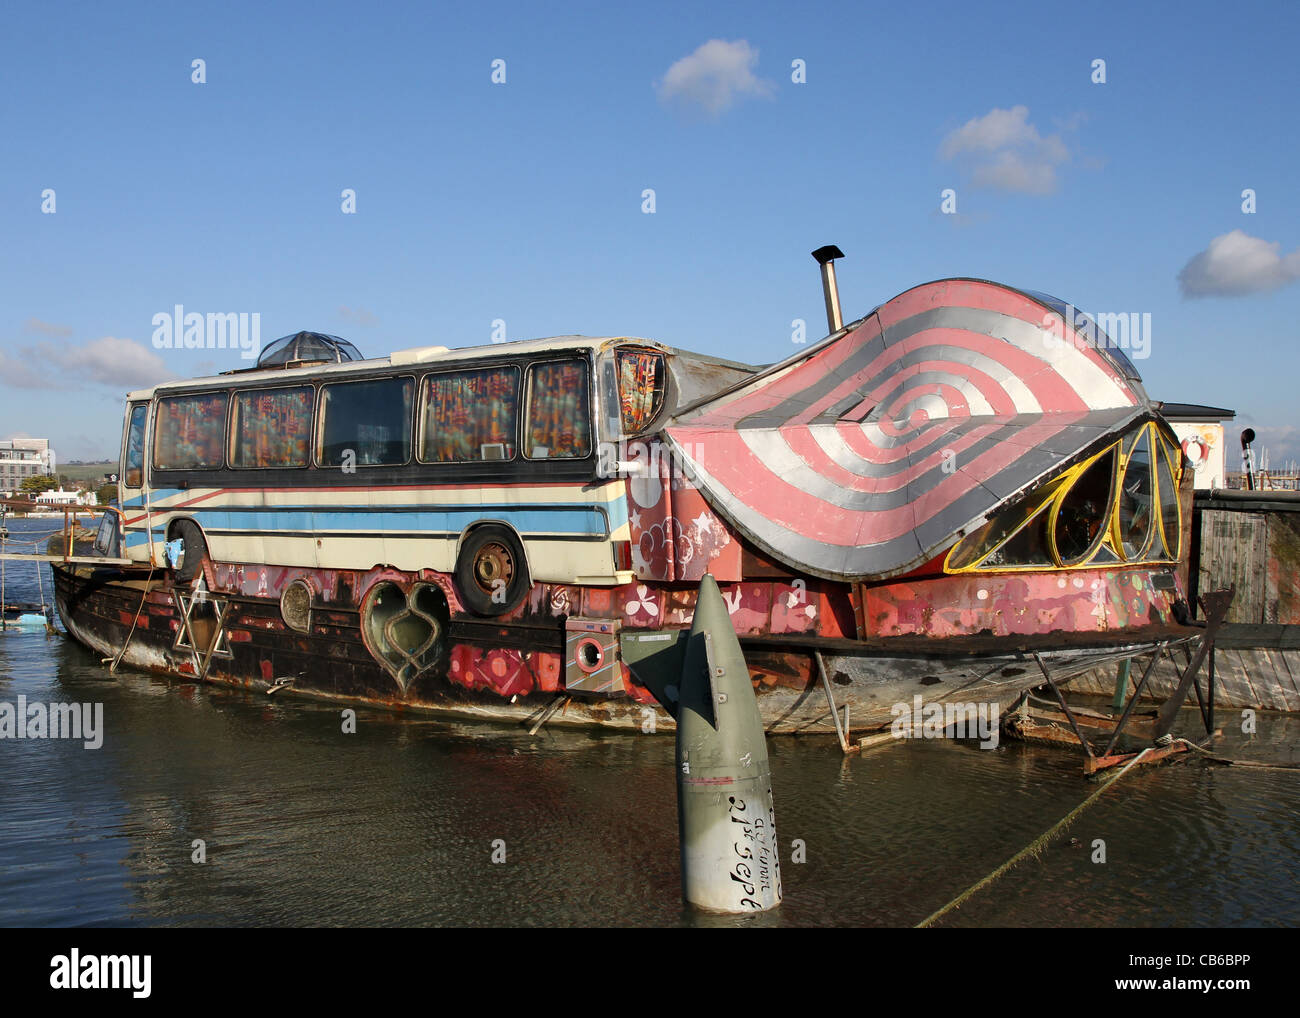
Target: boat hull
point(512, 672)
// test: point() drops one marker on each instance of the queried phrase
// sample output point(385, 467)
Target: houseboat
point(943, 498)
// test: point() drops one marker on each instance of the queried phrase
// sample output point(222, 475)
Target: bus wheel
point(196, 549)
point(491, 574)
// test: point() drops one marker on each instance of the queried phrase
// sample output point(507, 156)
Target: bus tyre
point(491, 574)
point(196, 549)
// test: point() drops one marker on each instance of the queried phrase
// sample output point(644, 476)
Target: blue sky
point(522, 201)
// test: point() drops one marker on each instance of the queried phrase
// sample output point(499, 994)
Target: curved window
point(1083, 510)
point(1120, 506)
point(1135, 513)
point(1006, 540)
point(640, 388)
point(1029, 546)
point(1170, 511)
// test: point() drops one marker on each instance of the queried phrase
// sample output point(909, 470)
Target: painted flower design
point(644, 603)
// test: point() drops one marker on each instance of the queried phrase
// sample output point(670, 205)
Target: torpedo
point(724, 788)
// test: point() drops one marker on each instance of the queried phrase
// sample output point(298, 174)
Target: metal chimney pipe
point(1247, 463)
point(826, 259)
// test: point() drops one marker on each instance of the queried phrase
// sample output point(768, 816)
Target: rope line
point(1238, 763)
point(127, 642)
point(1033, 848)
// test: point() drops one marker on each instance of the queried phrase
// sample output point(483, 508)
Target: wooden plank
point(877, 740)
point(1238, 635)
point(1101, 763)
point(95, 560)
point(1282, 580)
point(1234, 550)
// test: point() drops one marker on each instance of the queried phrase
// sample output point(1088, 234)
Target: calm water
point(304, 825)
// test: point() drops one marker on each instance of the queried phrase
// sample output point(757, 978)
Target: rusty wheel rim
point(493, 564)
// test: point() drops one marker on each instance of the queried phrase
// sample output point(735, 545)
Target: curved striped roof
point(865, 455)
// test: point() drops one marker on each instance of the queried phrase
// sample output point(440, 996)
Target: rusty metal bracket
point(1065, 708)
point(830, 700)
point(1137, 692)
point(186, 638)
point(1216, 604)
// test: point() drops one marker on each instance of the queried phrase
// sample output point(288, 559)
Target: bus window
point(366, 423)
point(470, 415)
point(190, 432)
point(272, 428)
point(640, 388)
point(558, 419)
point(133, 468)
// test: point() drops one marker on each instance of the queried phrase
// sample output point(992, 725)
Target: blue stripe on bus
point(617, 511)
point(157, 495)
point(578, 521)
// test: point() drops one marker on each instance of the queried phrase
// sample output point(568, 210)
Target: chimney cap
point(827, 254)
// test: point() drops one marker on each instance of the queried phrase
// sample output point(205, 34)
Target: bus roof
point(422, 356)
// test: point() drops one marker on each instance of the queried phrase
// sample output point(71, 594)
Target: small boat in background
point(21, 613)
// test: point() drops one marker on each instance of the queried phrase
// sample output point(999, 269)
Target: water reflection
point(398, 824)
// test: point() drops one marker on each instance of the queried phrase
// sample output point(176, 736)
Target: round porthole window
point(589, 656)
point(295, 606)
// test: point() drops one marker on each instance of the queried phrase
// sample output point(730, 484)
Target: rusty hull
point(513, 668)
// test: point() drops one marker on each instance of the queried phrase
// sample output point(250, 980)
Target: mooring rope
point(127, 642)
point(1033, 848)
point(1238, 763)
point(36, 540)
point(40, 585)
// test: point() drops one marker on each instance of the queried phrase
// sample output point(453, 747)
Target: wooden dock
point(1250, 539)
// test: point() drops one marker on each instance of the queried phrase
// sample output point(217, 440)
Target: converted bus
point(938, 499)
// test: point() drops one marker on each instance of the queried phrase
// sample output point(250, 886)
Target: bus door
point(132, 488)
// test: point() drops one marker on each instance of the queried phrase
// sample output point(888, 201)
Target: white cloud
point(109, 361)
point(19, 371)
point(715, 76)
point(1236, 264)
point(120, 362)
point(1006, 151)
point(46, 328)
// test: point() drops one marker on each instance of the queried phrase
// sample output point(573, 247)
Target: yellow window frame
point(1053, 494)
point(1145, 433)
point(1174, 458)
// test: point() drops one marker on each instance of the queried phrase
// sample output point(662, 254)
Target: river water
point(412, 821)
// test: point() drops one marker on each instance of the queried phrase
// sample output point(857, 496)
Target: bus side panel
point(675, 535)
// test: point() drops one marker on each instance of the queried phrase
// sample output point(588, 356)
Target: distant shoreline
point(45, 514)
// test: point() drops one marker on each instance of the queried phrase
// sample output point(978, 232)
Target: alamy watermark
point(75, 971)
point(1125, 330)
point(178, 329)
point(84, 721)
point(638, 459)
point(920, 720)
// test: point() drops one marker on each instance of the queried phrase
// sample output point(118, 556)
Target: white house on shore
point(60, 497)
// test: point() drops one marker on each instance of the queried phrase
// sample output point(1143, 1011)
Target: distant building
point(1201, 431)
point(61, 497)
point(21, 458)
